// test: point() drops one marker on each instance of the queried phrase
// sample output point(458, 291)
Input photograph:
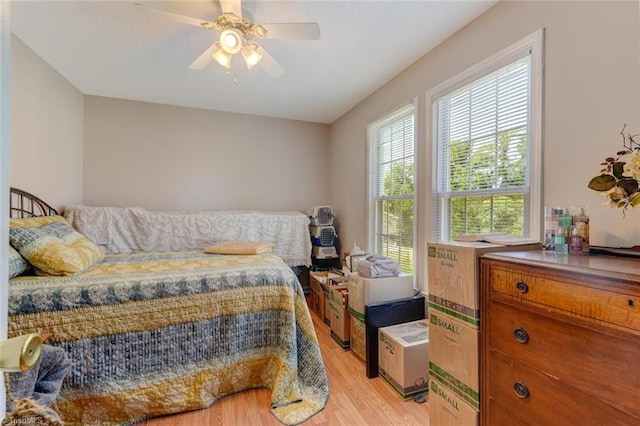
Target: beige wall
point(46, 129)
point(592, 88)
point(71, 149)
point(176, 158)
point(167, 157)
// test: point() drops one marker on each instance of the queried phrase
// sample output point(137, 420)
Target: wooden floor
point(353, 399)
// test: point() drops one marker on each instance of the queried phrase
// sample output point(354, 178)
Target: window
point(487, 144)
point(391, 172)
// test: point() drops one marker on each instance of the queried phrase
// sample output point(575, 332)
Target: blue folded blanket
point(40, 385)
point(376, 266)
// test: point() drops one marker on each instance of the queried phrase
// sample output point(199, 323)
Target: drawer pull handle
point(522, 287)
point(521, 335)
point(521, 390)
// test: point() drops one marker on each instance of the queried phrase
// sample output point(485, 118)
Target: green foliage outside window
point(397, 213)
point(477, 166)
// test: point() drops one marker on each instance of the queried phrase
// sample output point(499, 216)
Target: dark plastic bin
point(383, 315)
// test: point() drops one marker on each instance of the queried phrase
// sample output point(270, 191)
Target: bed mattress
point(157, 333)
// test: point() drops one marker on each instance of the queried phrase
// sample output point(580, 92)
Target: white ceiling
point(111, 48)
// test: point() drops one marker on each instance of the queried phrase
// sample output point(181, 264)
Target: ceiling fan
point(237, 35)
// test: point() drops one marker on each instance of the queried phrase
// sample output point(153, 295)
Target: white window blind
point(391, 175)
point(482, 159)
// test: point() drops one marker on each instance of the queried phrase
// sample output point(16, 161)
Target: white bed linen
point(133, 229)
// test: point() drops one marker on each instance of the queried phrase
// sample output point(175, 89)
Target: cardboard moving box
point(317, 296)
point(331, 281)
point(403, 357)
point(357, 336)
point(364, 334)
point(386, 314)
point(368, 291)
point(448, 409)
point(453, 274)
point(339, 316)
point(453, 356)
point(319, 283)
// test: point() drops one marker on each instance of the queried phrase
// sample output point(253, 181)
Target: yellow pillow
point(241, 247)
point(52, 245)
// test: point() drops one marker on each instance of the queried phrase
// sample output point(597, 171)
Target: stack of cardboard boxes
point(343, 302)
point(328, 300)
point(318, 296)
point(367, 291)
point(454, 320)
point(338, 314)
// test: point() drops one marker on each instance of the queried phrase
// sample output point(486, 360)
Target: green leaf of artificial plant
point(602, 183)
point(630, 186)
point(618, 169)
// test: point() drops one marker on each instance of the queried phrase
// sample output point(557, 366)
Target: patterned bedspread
point(133, 229)
point(156, 333)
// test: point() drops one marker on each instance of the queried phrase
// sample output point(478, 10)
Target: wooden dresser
point(560, 339)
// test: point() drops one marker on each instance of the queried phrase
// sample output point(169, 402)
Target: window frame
point(533, 44)
point(371, 199)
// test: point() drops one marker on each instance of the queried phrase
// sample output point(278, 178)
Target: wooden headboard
point(23, 204)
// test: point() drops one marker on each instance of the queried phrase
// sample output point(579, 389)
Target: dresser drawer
point(541, 399)
point(499, 415)
point(612, 305)
point(597, 364)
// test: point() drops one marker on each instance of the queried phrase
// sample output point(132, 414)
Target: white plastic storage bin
point(325, 252)
point(320, 215)
point(323, 236)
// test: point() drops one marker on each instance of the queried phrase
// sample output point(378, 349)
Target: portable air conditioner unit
point(325, 252)
point(320, 215)
point(323, 236)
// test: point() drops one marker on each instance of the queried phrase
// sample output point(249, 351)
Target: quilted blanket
point(150, 334)
point(133, 229)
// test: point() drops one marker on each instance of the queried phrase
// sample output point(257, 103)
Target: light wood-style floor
point(353, 399)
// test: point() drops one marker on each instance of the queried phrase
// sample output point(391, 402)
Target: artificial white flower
point(614, 196)
point(632, 167)
point(619, 178)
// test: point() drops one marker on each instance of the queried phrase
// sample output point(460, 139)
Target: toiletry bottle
point(575, 241)
point(562, 245)
point(581, 220)
point(551, 222)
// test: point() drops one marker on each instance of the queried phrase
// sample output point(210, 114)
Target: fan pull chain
point(235, 77)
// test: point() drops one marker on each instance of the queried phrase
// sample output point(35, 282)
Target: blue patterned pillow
point(17, 264)
point(50, 244)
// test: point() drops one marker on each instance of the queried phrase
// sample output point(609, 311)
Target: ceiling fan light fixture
point(231, 40)
point(251, 55)
point(235, 34)
point(222, 57)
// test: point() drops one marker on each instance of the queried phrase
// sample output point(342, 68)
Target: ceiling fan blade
point(270, 65)
point(175, 16)
point(232, 6)
point(204, 59)
point(301, 30)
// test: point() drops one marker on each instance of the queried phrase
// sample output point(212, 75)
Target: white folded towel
point(376, 266)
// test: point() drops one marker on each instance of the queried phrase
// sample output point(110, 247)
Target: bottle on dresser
point(567, 230)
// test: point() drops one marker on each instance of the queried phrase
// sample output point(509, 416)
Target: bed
point(134, 229)
point(155, 333)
